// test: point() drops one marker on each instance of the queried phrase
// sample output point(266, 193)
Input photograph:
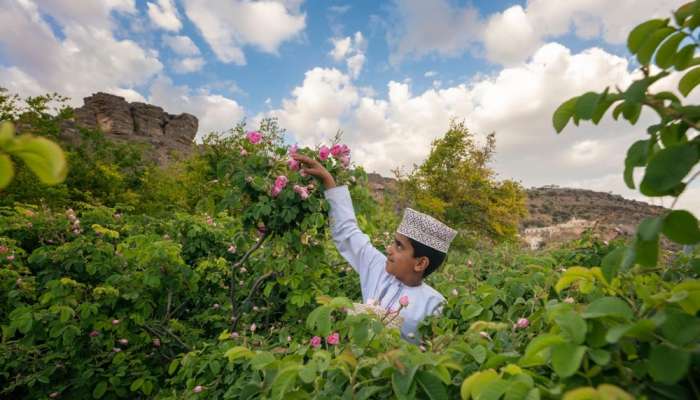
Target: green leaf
point(566, 358)
point(690, 303)
point(586, 105)
point(476, 382)
point(599, 356)
point(668, 365)
point(368, 391)
point(100, 390)
point(215, 367)
point(284, 381)
point(641, 329)
point(636, 157)
point(261, 360)
point(7, 171)
point(44, 157)
point(649, 228)
point(563, 114)
point(173, 366)
point(608, 307)
point(681, 227)
point(136, 384)
point(639, 34)
point(572, 326)
point(681, 329)
point(667, 168)
point(308, 373)
point(402, 382)
point(664, 57)
point(646, 252)
point(631, 111)
point(532, 356)
point(684, 56)
point(604, 103)
point(471, 311)
point(646, 51)
point(689, 81)
point(431, 385)
point(612, 263)
point(479, 353)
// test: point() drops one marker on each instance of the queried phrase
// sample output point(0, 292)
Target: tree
point(456, 186)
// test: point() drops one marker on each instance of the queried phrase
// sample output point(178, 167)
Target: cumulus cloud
point(229, 26)
point(424, 27)
point(164, 14)
point(181, 45)
point(86, 58)
point(512, 35)
point(352, 50)
point(516, 103)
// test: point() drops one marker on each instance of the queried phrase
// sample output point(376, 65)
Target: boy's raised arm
point(351, 242)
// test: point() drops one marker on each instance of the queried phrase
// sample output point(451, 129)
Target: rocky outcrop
point(121, 120)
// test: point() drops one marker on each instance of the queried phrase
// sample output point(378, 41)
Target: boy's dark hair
point(435, 257)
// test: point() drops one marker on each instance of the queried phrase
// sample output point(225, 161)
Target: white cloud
point(182, 45)
point(188, 64)
point(430, 74)
point(513, 34)
point(164, 14)
point(352, 49)
point(424, 27)
point(229, 26)
point(88, 57)
point(316, 108)
point(516, 103)
point(216, 113)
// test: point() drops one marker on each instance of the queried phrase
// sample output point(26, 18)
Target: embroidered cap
point(427, 230)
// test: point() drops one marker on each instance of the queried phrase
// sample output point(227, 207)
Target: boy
point(419, 247)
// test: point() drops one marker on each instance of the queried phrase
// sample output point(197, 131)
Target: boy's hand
point(315, 169)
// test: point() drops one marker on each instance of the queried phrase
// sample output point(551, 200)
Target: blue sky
point(389, 74)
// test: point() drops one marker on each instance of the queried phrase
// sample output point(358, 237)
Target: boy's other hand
point(315, 169)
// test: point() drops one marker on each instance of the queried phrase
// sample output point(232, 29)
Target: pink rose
point(484, 335)
point(522, 323)
point(123, 342)
point(324, 152)
point(345, 161)
point(301, 191)
point(116, 349)
point(293, 149)
point(244, 152)
point(94, 334)
point(569, 300)
point(336, 150)
point(10, 257)
point(3, 249)
point(333, 339)
point(210, 221)
point(253, 327)
point(156, 342)
point(216, 306)
point(289, 338)
point(233, 335)
point(254, 137)
point(316, 341)
point(198, 389)
point(403, 301)
point(281, 181)
point(232, 249)
point(115, 322)
point(293, 164)
point(303, 173)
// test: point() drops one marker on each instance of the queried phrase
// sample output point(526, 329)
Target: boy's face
point(400, 261)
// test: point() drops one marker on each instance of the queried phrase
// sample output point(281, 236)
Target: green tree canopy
point(456, 185)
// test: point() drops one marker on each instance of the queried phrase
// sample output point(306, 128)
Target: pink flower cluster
point(280, 183)
point(522, 323)
point(292, 163)
point(302, 191)
point(340, 152)
point(332, 339)
point(254, 137)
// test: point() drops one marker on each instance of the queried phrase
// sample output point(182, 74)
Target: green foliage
point(455, 185)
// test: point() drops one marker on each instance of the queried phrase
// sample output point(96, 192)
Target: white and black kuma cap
point(427, 230)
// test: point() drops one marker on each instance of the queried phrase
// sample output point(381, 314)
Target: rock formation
point(121, 120)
